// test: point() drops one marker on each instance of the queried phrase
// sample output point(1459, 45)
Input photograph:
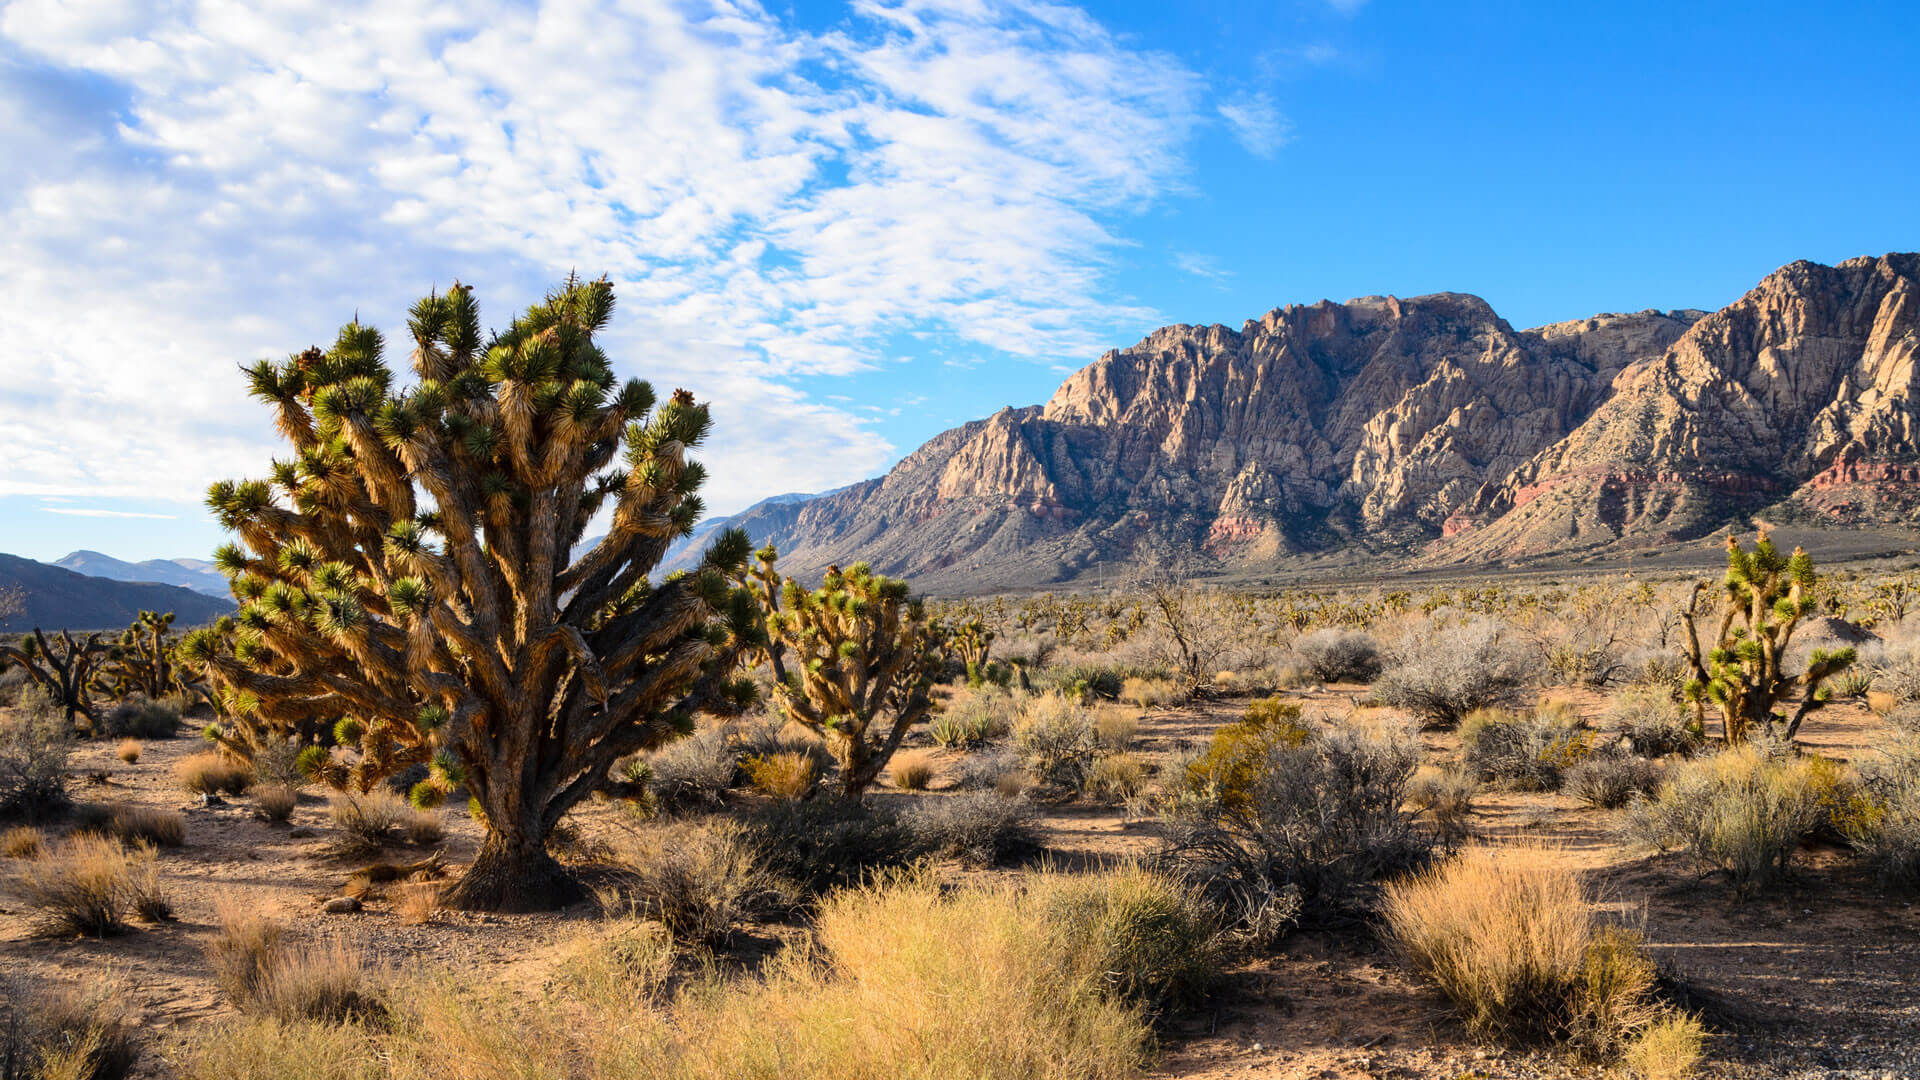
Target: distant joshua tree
point(406, 578)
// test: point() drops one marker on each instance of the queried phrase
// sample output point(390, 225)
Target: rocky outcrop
point(1423, 426)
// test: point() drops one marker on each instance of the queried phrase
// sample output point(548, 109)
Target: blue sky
point(853, 225)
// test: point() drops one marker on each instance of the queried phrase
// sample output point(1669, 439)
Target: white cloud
point(187, 187)
point(1198, 265)
point(1257, 123)
point(81, 512)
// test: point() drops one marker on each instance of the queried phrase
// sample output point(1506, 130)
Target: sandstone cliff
point(1421, 427)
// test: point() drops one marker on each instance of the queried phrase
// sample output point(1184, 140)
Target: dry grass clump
point(67, 1033)
point(1149, 693)
point(275, 803)
point(1654, 723)
point(135, 824)
point(1153, 938)
point(1611, 781)
point(213, 773)
point(87, 884)
point(1887, 827)
point(128, 751)
point(627, 956)
point(1669, 1048)
point(697, 880)
point(1446, 797)
point(980, 828)
point(260, 1046)
point(367, 821)
point(1115, 728)
point(911, 771)
point(264, 975)
point(693, 771)
point(1117, 778)
point(1055, 737)
point(22, 842)
point(419, 902)
point(1511, 939)
point(422, 828)
point(974, 717)
point(789, 774)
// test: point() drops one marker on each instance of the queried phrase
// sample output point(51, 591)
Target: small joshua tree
point(1764, 596)
point(140, 661)
point(64, 668)
point(971, 641)
point(861, 662)
point(409, 587)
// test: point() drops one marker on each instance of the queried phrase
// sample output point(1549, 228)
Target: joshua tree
point(409, 581)
point(862, 662)
point(971, 641)
point(63, 667)
point(1741, 674)
point(141, 659)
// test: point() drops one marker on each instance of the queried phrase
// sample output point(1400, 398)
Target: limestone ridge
point(1396, 427)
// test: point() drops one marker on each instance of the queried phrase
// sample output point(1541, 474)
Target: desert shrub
point(1854, 682)
point(275, 802)
point(1663, 671)
point(67, 1033)
point(1895, 670)
point(35, 742)
point(1086, 681)
point(1887, 832)
point(911, 771)
point(1237, 754)
point(141, 717)
point(1745, 810)
point(213, 773)
point(276, 763)
point(128, 751)
point(1317, 825)
point(988, 771)
point(770, 737)
point(1117, 778)
point(241, 951)
point(1148, 693)
point(134, 824)
point(1611, 781)
point(974, 717)
point(254, 1047)
point(786, 775)
point(1443, 675)
point(1528, 751)
point(1511, 939)
point(1331, 655)
point(366, 821)
point(22, 842)
point(1654, 723)
point(697, 880)
point(692, 771)
point(1149, 936)
point(979, 828)
point(264, 974)
point(825, 844)
point(87, 884)
point(1446, 797)
point(1055, 738)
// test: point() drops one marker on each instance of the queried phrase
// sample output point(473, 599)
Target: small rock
point(300, 833)
point(341, 905)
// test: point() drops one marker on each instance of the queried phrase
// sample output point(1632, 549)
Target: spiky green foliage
point(1741, 672)
point(140, 660)
point(408, 593)
point(64, 668)
point(971, 641)
point(862, 657)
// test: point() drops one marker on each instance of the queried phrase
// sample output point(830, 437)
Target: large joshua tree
point(408, 583)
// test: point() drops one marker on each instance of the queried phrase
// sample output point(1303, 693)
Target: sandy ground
point(1817, 980)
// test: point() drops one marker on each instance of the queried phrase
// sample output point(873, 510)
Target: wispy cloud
point(74, 511)
point(1204, 266)
point(185, 187)
point(1257, 123)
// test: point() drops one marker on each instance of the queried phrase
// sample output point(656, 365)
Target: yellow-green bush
point(1237, 754)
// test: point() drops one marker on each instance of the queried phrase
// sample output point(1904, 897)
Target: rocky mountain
point(196, 574)
point(1421, 428)
point(57, 598)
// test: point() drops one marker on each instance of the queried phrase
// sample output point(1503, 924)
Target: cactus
point(862, 661)
point(1764, 596)
point(140, 660)
point(64, 668)
point(410, 593)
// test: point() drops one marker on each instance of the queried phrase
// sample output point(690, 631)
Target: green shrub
point(1152, 940)
point(1524, 751)
point(35, 743)
point(1055, 736)
point(974, 717)
point(1654, 723)
point(141, 717)
point(1887, 828)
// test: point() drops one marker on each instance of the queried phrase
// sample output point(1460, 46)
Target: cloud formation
point(185, 187)
point(1257, 123)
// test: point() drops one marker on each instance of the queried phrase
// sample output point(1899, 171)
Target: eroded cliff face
point(1423, 427)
